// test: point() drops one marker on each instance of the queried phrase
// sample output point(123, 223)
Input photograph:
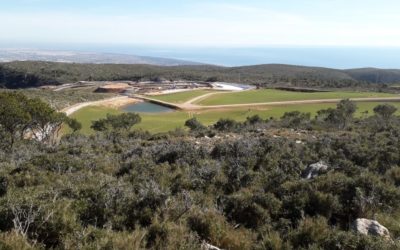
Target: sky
point(202, 23)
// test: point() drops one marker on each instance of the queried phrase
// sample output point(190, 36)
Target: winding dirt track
point(200, 98)
point(110, 102)
point(190, 106)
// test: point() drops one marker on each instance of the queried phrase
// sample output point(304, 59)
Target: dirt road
point(114, 102)
point(190, 106)
point(202, 97)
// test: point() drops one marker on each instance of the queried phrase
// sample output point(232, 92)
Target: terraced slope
point(271, 95)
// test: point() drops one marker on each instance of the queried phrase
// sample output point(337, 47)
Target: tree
point(100, 125)
point(74, 124)
point(23, 118)
point(123, 121)
point(194, 124)
point(385, 111)
point(45, 122)
point(346, 109)
point(13, 117)
point(339, 117)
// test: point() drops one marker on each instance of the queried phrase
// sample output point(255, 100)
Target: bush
point(124, 121)
point(249, 208)
point(3, 185)
point(295, 119)
point(226, 125)
point(310, 231)
point(254, 119)
point(213, 228)
point(95, 238)
point(194, 124)
point(241, 189)
point(157, 235)
point(12, 240)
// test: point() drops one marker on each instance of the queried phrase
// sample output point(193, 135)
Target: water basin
point(147, 107)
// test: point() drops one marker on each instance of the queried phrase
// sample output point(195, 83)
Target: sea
point(331, 57)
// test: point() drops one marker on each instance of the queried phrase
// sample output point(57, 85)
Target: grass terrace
point(164, 122)
point(182, 97)
point(272, 95)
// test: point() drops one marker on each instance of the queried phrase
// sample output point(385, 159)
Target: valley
point(208, 106)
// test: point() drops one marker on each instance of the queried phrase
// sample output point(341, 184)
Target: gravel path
point(191, 106)
point(123, 100)
point(110, 102)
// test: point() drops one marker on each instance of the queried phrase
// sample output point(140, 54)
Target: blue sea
point(332, 57)
point(340, 58)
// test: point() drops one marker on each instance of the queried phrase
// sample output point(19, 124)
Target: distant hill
point(33, 74)
point(10, 55)
point(375, 75)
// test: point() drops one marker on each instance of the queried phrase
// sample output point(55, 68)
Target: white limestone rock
point(315, 170)
point(370, 227)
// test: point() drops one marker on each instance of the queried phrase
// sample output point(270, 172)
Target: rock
point(370, 227)
point(315, 170)
point(206, 246)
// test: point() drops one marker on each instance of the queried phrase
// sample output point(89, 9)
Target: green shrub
point(12, 241)
point(213, 228)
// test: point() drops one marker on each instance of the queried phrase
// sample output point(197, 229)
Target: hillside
point(375, 75)
point(298, 182)
point(32, 74)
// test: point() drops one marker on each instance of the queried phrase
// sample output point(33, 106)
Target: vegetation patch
point(64, 98)
point(163, 122)
point(231, 185)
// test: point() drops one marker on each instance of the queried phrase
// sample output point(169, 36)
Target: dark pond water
point(147, 107)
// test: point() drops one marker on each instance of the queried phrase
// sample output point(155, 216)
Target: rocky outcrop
point(206, 246)
point(370, 227)
point(315, 170)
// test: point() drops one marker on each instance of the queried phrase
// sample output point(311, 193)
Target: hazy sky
point(202, 22)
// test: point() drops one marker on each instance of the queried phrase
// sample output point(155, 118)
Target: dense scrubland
point(65, 98)
point(33, 74)
point(234, 185)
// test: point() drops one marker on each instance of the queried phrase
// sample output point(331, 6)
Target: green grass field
point(182, 97)
point(164, 122)
point(271, 95)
